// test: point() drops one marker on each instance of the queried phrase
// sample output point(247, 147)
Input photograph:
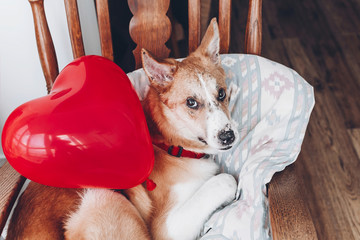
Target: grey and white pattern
point(272, 109)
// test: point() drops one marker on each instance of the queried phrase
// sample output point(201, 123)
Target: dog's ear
point(160, 73)
point(210, 44)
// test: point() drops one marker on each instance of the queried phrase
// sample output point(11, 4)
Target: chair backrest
point(150, 28)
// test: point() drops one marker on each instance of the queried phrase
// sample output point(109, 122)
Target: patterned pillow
point(271, 104)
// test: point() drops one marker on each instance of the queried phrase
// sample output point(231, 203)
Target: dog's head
point(192, 108)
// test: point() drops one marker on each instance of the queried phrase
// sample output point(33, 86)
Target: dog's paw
point(224, 186)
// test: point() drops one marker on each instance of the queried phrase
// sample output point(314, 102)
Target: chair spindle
point(194, 24)
point(224, 25)
point(44, 43)
point(72, 15)
point(102, 9)
point(253, 34)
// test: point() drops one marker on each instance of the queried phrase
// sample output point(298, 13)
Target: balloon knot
point(150, 185)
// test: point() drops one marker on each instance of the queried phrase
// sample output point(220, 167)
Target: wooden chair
point(150, 28)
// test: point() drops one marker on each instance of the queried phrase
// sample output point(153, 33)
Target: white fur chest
point(202, 170)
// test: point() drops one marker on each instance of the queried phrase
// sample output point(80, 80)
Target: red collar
point(179, 151)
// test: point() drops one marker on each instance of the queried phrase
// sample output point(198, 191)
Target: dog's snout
point(226, 137)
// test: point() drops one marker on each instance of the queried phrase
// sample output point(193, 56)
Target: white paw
point(224, 186)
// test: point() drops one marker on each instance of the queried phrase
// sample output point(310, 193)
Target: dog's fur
point(188, 190)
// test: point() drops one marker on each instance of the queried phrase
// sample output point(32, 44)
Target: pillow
point(271, 104)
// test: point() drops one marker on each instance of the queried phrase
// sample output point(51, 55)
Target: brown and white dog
point(187, 106)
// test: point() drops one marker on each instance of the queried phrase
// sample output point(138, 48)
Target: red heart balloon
point(90, 131)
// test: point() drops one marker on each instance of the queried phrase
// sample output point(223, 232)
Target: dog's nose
point(226, 137)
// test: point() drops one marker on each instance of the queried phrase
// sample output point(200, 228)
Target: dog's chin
point(217, 149)
point(226, 148)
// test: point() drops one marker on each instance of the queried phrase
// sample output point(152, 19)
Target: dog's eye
point(192, 103)
point(222, 94)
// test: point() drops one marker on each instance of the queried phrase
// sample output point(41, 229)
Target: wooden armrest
point(10, 186)
point(289, 214)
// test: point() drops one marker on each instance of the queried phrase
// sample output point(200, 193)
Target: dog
point(186, 109)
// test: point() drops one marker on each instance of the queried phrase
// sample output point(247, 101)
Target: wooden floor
point(320, 39)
